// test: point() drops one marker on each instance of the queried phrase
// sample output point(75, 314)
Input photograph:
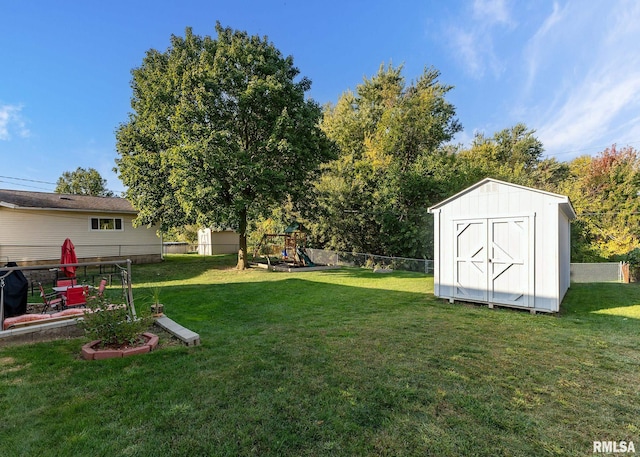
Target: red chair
point(99, 292)
point(101, 287)
point(76, 296)
point(51, 300)
point(66, 282)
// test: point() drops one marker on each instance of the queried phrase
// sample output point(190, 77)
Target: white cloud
point(473, 41)
point(5, 112)
point(595, 73)
point(468, 52)
point(625, 23)
point(11, 121)
point(538, 43)
point(492, 11)
point(590, 112)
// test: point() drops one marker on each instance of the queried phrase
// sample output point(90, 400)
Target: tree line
point(222, 134)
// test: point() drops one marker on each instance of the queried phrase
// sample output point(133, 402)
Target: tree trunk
point(243, 260)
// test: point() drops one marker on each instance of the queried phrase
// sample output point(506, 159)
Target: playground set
point(288, 248)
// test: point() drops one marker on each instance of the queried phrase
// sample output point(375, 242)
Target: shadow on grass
point(298, 366)
point(185, 266)
point(258, 287)
point(177, 267)
point(283, 301)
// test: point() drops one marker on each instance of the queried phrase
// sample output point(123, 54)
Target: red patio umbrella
point(68, 256)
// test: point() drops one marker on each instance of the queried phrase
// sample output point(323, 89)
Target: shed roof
point(563, 200)
point(27, 200)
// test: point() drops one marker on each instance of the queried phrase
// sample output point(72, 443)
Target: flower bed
point(91, 351)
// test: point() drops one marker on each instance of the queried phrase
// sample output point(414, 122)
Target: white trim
point(114, 229)
point(563, 199)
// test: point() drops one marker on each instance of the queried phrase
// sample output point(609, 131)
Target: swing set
point(290, 247)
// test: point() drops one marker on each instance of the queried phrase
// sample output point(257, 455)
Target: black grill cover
point(16, 288)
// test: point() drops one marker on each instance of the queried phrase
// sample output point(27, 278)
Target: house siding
point(37, 235)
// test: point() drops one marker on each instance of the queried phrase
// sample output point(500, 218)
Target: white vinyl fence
point(597, 272)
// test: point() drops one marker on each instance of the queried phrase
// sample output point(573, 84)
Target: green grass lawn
point(343, 362)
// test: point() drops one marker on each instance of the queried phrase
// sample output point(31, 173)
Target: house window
point(106, 223)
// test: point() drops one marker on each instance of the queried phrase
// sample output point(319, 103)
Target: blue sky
point(569, 69)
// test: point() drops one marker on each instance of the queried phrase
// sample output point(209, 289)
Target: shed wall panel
point(547, 249)
point(217, 241)
point(225, 242)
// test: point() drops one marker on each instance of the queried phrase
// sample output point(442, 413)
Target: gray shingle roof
point(44, 200)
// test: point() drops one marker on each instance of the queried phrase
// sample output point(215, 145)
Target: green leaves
point(374, 197)
point(513, 154)
point(220, 131)
point(605, 193)
point(112, 324)
point(83, 182)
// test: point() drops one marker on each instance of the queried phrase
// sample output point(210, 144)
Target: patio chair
point(99, 292)
point(66, 282)
point(101, 287)
point(75, 297)
point(50, 300)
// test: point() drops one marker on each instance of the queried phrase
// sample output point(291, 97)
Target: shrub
point(112, 324)
point(633, 257)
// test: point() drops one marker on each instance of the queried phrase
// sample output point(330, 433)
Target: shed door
point(470, 263)
point(492, 260)
point(509, 244)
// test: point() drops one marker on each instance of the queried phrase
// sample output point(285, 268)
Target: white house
point(33, 226)
point(503, 244)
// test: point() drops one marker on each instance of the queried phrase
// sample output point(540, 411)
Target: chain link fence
point(22, 253)
point(178, 247)
point(355, 259)
point(580, 272)
point(46, 253)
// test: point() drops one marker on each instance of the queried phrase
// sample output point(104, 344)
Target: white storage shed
point(212, 241)
point(503, 244)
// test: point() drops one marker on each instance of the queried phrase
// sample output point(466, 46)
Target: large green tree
point(605, 191)
point(392, 164)
point(220, 132)
point(83, 182)
point(513, 154)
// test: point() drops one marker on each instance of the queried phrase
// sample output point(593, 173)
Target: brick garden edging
point(90, 353)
